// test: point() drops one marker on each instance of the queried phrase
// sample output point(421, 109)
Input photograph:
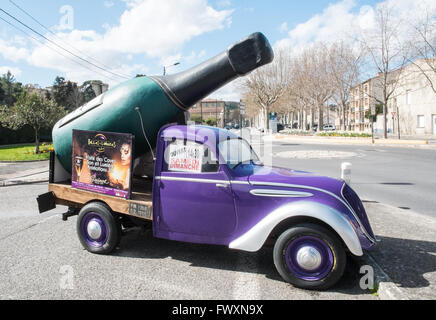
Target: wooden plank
point(66, 195)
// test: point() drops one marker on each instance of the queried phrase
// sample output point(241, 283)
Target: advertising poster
point(185, 158)
point(102, 162)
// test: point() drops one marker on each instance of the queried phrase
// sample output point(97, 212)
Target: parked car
point(280, 127)
point(329, 127)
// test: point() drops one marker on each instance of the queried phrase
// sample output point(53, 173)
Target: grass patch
point(326, 134)
point(296, 132)
point(344, 134)
point(25, 152)
point(374, 291)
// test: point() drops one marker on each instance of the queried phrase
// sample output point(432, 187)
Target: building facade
point(413, 106)
point(362, 98)
point(411, 109)
point(225, 112)
point(208, 109)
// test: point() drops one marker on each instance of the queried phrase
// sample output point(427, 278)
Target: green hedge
point(344, 134)
point(24, 135)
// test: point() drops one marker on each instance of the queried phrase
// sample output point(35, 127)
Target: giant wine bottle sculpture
point(159, 99)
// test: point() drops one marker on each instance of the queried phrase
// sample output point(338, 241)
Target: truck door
point(195, 195)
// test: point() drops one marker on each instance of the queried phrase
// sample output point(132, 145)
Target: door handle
point(222, 185)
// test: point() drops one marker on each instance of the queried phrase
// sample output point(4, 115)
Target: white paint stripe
point(280, 193)
point(191, 180)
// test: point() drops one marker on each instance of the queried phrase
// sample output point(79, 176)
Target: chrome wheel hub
point(309, 258)
point(94, 229)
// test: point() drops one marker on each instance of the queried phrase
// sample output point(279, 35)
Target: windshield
point(236, 152)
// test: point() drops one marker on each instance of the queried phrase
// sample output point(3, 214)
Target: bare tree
point(344, 72)
point(424, 48)
point(266, 85)
point(387, 54)
point(299, 89)
point(286, 105)
point(316, 80)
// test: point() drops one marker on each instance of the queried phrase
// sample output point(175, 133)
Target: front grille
point(354, 201)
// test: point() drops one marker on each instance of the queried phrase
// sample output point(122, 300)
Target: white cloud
point(15, 71)
point(230, 92)
point(224, 3)
point(344, 20)
point(328, 25)
point(10, 51)
point(283, 27)
point(157, 27)
point(194, 57)
point(147, 27)
point(109, 4)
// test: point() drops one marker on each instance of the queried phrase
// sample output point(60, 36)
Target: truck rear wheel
point(309, 256)
point(99, 230)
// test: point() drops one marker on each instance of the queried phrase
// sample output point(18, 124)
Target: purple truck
point(210, 187)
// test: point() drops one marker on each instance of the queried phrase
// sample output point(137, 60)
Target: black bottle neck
point(188, 87)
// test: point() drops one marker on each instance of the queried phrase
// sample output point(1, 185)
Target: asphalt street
point(402, 177)
point(42, 258)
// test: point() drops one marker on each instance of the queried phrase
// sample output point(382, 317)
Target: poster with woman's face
point(102, 162)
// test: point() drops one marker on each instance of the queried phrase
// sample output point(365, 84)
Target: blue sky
point(140, 36)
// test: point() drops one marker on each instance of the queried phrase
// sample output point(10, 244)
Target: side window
point(190, 157)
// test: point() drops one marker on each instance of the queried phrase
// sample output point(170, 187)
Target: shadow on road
point(140, 244)
point(407, 261)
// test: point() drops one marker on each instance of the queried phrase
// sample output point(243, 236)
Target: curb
point(25, 161)
point(9, 183)
point(387, 289)
point(392, 142)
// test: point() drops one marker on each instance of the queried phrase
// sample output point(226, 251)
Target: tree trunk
point(312, 118)
point(320, 119)
point(344, 126)
point(36, 141)
point(300, 119)
point(385, 129)
point(266, 118)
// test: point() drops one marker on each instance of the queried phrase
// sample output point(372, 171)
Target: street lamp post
point(166, 67)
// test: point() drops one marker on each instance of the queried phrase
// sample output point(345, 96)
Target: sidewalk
point(351, 141)
point(406, 253)
point(16, 173)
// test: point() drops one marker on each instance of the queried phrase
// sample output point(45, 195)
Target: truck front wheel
point(309, 256)
point(98, 229)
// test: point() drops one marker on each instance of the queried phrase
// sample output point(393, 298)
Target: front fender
point(254, 239)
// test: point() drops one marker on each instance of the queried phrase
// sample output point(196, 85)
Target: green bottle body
point(116, 111)
point(160, 100)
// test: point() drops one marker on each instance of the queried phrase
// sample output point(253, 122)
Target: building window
point(421, 121)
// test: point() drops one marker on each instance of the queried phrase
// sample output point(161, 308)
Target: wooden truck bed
point(140, 204)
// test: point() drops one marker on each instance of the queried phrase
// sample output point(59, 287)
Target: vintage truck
point(228, 197)
point(206, 185)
